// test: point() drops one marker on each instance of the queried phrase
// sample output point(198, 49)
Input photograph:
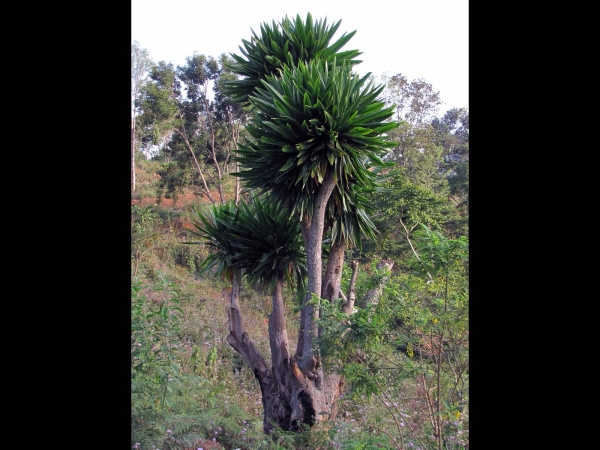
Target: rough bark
point(278, 409)
point(133, 154)
point(295, 391)
point(348, 307)
point(333, 271)
point(240, 341)
point(308, 362)
point(290, 398)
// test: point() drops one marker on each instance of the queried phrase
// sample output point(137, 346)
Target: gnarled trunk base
point(290, 399)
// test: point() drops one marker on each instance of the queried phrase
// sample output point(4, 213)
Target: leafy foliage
point(259, 238)
point(286, 44)
point(158, 102)
point(214, 229)
point(308, 119)
point(154, 347)
point(412, 346)
point(399, 212)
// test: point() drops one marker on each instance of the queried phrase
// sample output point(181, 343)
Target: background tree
point(140, 65)
point(432, 189)
point(195, 129)
point(416, 102)
point(452, 134)
point(230, 114)
point(158, 104)
point(414, 348)
point(417, 150)
point(198, 116)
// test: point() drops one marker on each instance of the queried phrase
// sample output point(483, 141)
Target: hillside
point(191, 390)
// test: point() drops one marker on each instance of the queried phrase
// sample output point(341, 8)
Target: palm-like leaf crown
point(214, 230)
point(259, 238)
point(268, 242)
point(311, 119)
point(286, 43)
point(348, 214)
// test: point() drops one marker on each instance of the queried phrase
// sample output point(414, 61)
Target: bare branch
point(348, 307)
point(410, 243)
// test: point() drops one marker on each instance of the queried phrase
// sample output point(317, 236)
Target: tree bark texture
point(348, 307)
point(333, 272)
point(290, 399)
point(133, 154)
point(308, 362)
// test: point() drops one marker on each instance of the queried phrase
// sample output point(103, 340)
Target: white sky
point(420, 39)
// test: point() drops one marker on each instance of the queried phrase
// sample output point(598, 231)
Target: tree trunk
point(348, 307)
point(331, 291)
point(191, 150)
point(277, 399)
point(133, 154)
point(295, 392)
point(312, 232)
point(241, 343)
point(374, 294)
point(290, 399)
point(333, 271)
point(212, 153)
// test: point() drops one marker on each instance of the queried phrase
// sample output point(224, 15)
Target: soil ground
point(182, 200)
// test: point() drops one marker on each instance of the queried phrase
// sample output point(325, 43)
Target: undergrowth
point(190, 390)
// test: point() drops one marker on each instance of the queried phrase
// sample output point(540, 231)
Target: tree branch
point(239, 339)
point(411, 246)
point(348, 307)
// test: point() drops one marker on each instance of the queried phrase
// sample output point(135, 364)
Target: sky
point(420, 39)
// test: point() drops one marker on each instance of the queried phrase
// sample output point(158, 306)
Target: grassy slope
point(215, 395)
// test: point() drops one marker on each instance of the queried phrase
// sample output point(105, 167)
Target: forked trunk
point(290, 399)
point(295, 392)
point(133, 154)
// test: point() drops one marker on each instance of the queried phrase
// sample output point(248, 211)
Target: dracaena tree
point(317, 138)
